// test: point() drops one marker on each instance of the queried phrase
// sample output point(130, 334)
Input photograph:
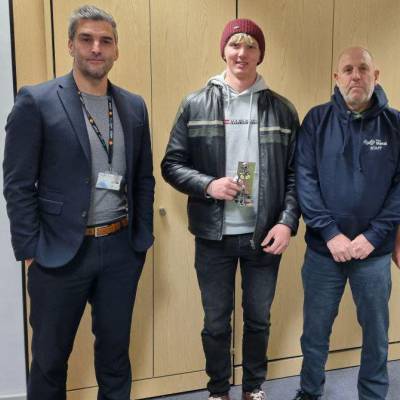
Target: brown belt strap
point(104, 230)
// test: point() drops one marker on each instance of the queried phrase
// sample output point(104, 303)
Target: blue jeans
point(216, 263)
point(324, 281)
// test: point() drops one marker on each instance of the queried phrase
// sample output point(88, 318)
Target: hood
point(219, 80)
point(230, 94)
point(379, 102)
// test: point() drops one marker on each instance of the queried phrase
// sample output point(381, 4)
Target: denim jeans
point(324, 281)
point(216, 263)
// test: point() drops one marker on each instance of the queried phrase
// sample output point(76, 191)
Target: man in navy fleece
point(348, 177)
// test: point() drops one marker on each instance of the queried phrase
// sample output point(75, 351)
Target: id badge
point(108, 181)
point(245, 177)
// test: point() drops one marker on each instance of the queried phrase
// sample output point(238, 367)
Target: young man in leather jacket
point(231, 151)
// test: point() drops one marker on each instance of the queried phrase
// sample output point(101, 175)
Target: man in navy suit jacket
point(79, 188)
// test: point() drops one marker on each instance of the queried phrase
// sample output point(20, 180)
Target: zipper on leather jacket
point(221, 107)
point(221, 230)
point(252, 244)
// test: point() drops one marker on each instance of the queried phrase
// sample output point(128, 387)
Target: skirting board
point(197, 380)
point(14, 397)
point(338, 359)
point(152, 387)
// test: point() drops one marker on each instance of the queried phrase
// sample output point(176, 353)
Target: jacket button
point(87, 181)
point(84, 214)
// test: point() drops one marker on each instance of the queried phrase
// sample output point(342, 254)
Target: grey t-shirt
point(105, 205)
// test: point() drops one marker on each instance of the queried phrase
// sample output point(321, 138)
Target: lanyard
point(109, 150)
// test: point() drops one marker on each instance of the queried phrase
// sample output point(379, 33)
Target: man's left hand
point(361, 248)
point(396, 250)
point(277, 239)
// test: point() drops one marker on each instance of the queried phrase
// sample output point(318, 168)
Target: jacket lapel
point(125, 112)
point(67, 92)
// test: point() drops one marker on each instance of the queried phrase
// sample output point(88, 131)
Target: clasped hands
point(343, 249)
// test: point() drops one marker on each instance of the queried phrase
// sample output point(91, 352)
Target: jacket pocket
point(50, 206)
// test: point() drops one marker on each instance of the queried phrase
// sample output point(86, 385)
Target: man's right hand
point(223, 188)
point(340, 248)
point(28, 262)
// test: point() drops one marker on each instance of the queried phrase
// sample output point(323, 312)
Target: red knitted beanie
point(242, 25)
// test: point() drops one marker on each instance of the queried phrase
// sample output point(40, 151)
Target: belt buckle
point(97, 234)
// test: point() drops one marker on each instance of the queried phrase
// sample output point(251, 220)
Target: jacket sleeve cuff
point(206, 183)
point(373, 237)
point(19, 256)
point(206, 187)
point(289, 220)
point(27, 251)
point(330, 232)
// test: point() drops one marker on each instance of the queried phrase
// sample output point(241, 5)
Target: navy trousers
point(105, 272)
point(216, 263)
point(324, 281)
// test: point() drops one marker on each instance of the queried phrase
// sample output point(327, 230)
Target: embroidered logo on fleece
point(375, 144)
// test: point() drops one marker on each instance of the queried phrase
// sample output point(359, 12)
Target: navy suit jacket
point(47, 171)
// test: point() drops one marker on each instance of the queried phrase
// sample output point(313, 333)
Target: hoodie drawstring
point(249, 126)
point(359, 166)
point(347, 132)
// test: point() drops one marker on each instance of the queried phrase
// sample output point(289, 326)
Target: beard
point(97, 72)
point(356, 101)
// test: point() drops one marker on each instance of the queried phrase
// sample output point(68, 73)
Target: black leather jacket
point(195, 156)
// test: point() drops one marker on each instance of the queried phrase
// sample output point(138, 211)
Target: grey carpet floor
point(340, 384)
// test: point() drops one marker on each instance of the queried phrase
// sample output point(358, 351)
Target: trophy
point(245, 178)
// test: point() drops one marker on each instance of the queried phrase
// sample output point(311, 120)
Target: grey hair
point(93, 13)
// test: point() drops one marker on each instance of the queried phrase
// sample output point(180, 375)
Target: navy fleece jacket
point(348, 173)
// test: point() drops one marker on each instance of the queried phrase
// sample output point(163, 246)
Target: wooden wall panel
point(31, 57)
point(298, 36)
point(134, 44)
point(374, 24)
point(297, 65)
point(132, 69)
point(185, 53)
point(30, 42)
point(341, 359)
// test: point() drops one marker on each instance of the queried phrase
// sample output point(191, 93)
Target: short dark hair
point(90, 12)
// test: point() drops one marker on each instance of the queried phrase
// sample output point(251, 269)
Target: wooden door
point(131, 71)
point(294, 33)
point(374, 25)
point(169, 48)
point(185, 38)
point(300, 40)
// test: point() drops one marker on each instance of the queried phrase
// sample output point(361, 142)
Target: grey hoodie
point(241, 138)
